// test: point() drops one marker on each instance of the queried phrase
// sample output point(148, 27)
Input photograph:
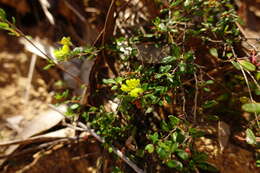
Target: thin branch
point(252, 77)
point(248, 86)
point(195, 98)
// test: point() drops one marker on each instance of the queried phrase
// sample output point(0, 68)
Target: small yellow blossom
point(132, 87)
point(59, 53)
point(133, 83)
point(64, 50)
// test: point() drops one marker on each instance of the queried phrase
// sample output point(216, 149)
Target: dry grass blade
point(29, 79)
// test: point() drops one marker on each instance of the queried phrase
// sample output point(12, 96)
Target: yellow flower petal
point(125, 88)
point(66, 41)
point(133, 83)
point(135, 92)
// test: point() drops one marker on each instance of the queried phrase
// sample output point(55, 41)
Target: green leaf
point(165, 126)
point(158, 76)
point(119, 80)
point(251, 107)
point(154, 137)
point(174, 136)
point(182, 66)
point(180, 137)
point(168, 59)
point(174, 147)
point(257, 76)
point(209, 104)
point(174, 164)
point(109, 81)
point(209, 82)
point(149, 148)
point(74, 106)
point(168, 99)
point(183, 155)
point(165, 69)
point(47, 67)
point(110, 149)
point(187, 3)
point(250, 137)
point(229, 55)
point(214, 52)
point(85, 115)
point(258, 163)
point(207, 167)
point(174, 120)
point(176, 51)
point(149, 110)
point(207, 89)
point(247, 65)
point(236, 65)
point(257, 91)
point(115, 87)
point(195, 133)
point(2, 14)
point(161, 89)
point(148, 35)
point(162, 153)
point(4, 25)
point(199, 157)
point(13, 20)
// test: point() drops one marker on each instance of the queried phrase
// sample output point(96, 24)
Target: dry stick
point(195, 98)
point(86, 128)
point(30, 75)
point(41, 146)
point(252, 77)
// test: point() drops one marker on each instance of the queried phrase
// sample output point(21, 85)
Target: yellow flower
point(133, 83)
point(132, 87)
point(135, 92)
point(62, 52)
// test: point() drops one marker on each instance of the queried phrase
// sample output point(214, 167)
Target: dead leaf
point(39, 124)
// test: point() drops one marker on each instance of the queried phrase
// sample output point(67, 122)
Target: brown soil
point(14, 67)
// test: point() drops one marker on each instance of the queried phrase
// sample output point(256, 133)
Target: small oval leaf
point(214, 52)
point(247, 65)
point(149, 148)
point(250, 137)
point(174, 164)
point(183, 155)
point(251, 107)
